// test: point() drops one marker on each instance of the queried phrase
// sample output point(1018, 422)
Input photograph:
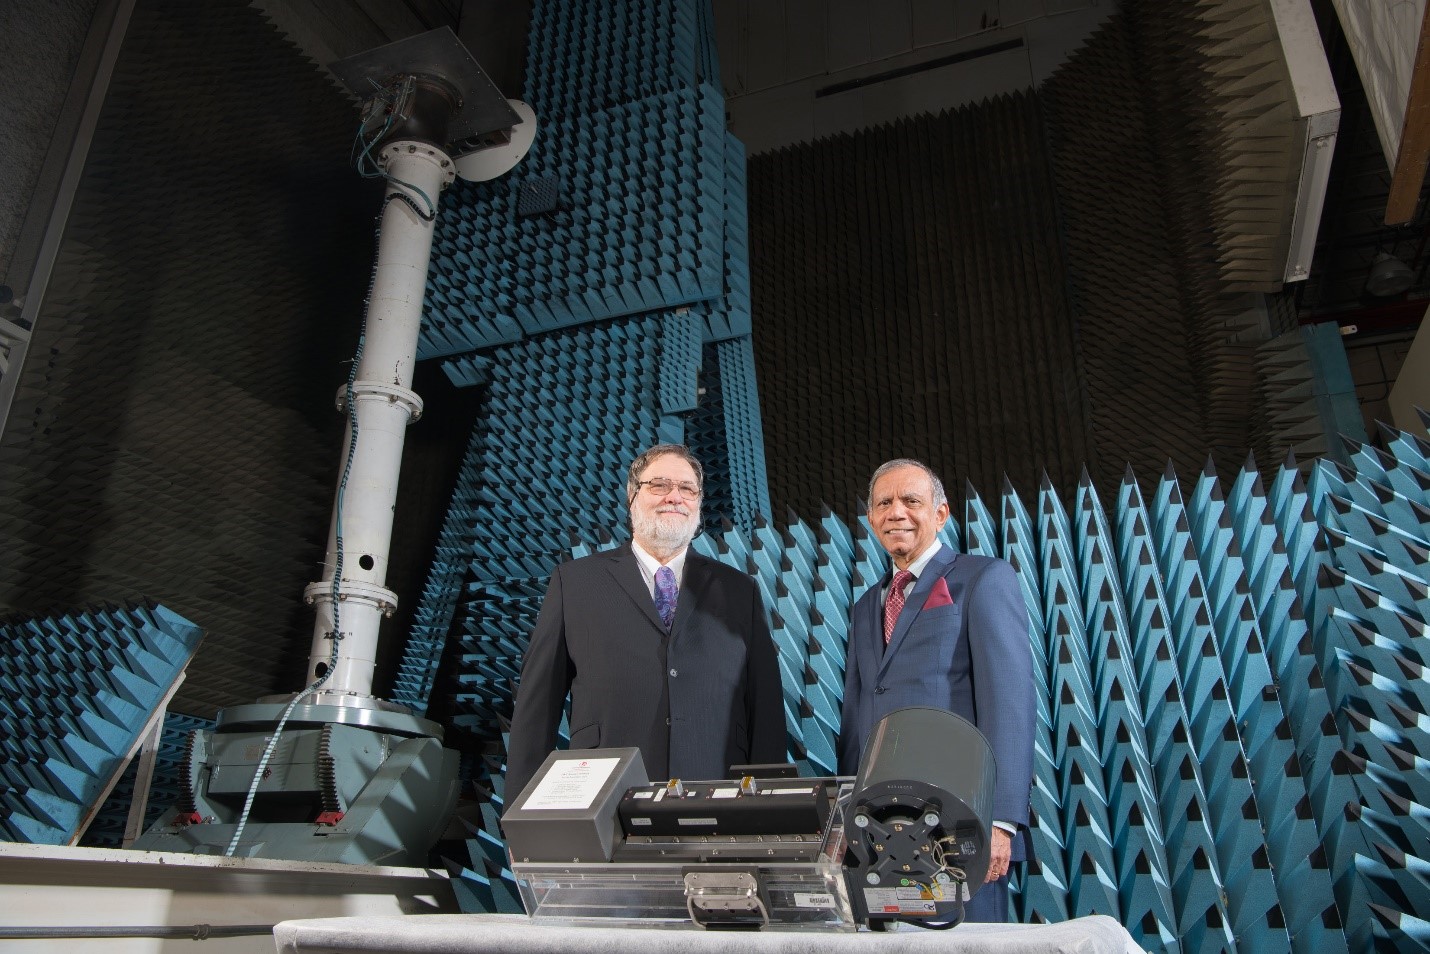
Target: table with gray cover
point(516, 934)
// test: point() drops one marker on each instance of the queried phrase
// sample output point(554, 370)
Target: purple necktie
point(665, 593)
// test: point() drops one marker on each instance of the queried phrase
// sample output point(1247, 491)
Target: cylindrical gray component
point(934, 747)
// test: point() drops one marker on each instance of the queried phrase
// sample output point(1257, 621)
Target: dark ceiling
point(1350, 236)
point(1352, 230)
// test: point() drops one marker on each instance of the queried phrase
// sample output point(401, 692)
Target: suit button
point(673, 673)
point(667, 720)
point(879, 691)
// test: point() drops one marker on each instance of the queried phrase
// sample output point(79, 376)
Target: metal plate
point(436, 53)
point(262, 716)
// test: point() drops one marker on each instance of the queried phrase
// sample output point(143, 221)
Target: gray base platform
point(516, 934)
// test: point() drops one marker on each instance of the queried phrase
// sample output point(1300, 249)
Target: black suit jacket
point(695, 701)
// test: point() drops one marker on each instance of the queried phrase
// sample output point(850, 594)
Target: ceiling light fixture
point(1389, 276)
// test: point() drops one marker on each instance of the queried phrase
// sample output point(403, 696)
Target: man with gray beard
point(658, 647)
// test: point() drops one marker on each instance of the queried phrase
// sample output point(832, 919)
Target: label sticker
point(802, 900)
point(918, 892)
point(725, 793)
point(695, 821)
point(894, 901)
point(640, 821)
point(571, 783)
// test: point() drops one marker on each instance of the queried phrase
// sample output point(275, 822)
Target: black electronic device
point(918, 820)
point(765, 770)
point(903, 841)
point(746, 807)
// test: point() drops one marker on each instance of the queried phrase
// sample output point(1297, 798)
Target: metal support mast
point(332, 773)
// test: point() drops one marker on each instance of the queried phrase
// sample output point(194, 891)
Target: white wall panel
point(935, 21)
point(976, 16)
point(1051, 40)
point(731, 27)
point(777, 54)
point(806, 26)
point(848, 34)
point(1016, 11)
point(926, 92)
point(764, 35)
point(1412, 387)
point(890, 32)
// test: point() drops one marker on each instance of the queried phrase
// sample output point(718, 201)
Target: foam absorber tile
point(1198, 894)
point(1282, 801)
point(728, 316)
point(1087, 822)
point(705, 435)
point(107, 829)
point(562, 412)
point(1132, 788)
point(79, 689)
point(1230, 731)
point(744, 450)
point(1252, 900)
point(1042, 888)
point(641, 227)
point(583, 57)
point(1376, 614)
point(907, 222)
point(172, 436)
point(1290, 650)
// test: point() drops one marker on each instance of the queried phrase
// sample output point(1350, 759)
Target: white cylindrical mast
point(384, 404)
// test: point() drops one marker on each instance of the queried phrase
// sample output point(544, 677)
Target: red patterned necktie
point(895, 603)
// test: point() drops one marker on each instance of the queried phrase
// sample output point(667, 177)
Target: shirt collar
point(649, 565)
point(918, 566)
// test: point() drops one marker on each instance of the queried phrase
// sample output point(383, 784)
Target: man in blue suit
point(949, 630)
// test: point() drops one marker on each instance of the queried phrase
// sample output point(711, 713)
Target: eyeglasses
point(660, 486)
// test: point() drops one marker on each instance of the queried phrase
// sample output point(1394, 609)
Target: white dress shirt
point(916, 568)
point(650, 564)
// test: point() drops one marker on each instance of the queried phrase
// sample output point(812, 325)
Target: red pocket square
point(939, 596)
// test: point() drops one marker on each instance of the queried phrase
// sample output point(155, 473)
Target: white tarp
point(1383, 35)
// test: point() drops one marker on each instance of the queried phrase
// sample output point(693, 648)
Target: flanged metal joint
point(392, 393)
point(369, 593)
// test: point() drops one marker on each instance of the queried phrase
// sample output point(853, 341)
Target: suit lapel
point(914, 604)
point(626, 572)
point(692, 584)
point(869, 650)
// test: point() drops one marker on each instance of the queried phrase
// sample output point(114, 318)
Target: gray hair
point(638, 466)
point(938, 495)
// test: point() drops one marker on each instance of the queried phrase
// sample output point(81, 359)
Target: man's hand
point(1000, 855)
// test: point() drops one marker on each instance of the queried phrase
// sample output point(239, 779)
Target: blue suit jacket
point(972, 658)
